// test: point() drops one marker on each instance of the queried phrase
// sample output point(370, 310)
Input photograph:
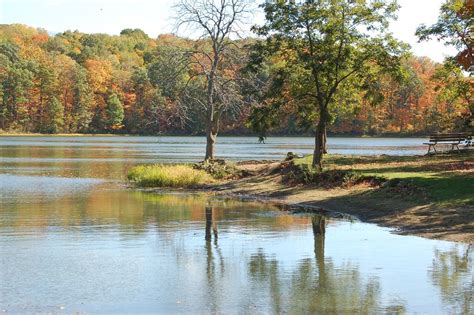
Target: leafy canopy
point(323, 51)
point(455, 28)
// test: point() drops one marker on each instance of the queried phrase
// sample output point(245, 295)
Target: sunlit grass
point(446, 178)
point(168, 176)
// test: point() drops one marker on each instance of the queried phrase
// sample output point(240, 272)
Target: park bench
point(453, 139)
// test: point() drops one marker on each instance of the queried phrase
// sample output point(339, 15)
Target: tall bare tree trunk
point(216, 21)
point(210, 143)
point(211, 135)
point(212, 119)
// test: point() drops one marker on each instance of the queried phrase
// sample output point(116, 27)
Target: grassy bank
point(176, 176)
point(445, 179)
point(430, 196)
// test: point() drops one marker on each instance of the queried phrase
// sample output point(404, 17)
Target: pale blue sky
point(155, 17)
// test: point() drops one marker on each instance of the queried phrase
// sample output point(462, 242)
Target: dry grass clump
point(160, 175)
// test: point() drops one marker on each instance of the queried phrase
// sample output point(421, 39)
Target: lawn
point(447, 179)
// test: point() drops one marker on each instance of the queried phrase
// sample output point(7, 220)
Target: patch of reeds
point(160, 175)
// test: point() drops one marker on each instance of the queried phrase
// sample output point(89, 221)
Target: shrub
point(305, 174)
point(218, 169)
point(168, 176)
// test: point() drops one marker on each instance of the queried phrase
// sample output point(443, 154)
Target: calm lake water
point(74, 239)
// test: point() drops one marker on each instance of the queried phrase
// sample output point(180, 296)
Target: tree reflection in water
point(319, 286)
point(211, 250)
point(452, 272)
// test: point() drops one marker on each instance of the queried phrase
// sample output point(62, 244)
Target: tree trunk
point(211, 136)
point(2, 120)
point(319, 146)
point(325, 141)
point(320, 140)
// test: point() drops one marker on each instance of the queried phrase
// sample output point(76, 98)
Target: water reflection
point(210, 222)
point(110, 249)
point(319, 286)
point(73, 239)
point(214, 259)
point(91, 245)
point(452, 272)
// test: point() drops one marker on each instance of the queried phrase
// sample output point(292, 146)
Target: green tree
point(54, 116)
point(325, 44)
point(45, 83)
point(456, 91)
point(454, 27)
point(146, 112)
point(114, 111)
point(168, 71)
point(17, 78)
point(138, 33)
point(83, 102)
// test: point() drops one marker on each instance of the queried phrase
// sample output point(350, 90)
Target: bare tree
point(213, 61)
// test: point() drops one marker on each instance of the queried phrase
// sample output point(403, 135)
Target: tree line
point(314, 67)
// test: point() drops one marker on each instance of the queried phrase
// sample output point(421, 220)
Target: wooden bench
point(453, 139)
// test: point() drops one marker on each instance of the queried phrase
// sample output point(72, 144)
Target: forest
point(73, 82)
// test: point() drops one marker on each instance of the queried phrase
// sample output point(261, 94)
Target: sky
point(156, 17)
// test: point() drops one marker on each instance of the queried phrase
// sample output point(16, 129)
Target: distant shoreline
point(6, 134)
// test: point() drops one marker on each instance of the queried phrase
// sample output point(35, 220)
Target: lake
point(74, 238)
point(186, 149)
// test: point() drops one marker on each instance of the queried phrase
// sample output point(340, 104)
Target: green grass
point(183, 176)
point(447, 179)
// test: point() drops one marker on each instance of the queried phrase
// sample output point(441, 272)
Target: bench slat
point(446, 140)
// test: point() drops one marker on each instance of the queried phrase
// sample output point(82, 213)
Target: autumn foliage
point(95, 83)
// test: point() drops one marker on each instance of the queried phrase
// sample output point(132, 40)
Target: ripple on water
point(14, 186)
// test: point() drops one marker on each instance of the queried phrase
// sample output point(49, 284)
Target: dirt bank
point(411, 210)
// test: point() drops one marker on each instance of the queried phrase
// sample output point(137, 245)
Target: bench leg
point(455, 145)
point(431, 146)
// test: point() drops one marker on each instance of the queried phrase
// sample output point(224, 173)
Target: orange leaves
point(99, 74)
point(40, 38)
point(129, 98)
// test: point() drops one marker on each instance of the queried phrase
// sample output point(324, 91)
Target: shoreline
point(381, 136)
point(352, 212)
point(405, 208)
